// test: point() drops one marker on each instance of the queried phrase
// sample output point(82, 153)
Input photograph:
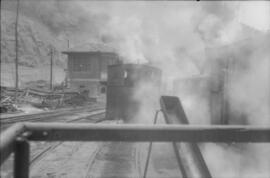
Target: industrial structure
point(226, 65)
point(124, 80)
point(87, 67)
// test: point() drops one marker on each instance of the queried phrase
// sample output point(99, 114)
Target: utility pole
point(225, 92)
point(51, 73)
point(268, 60)
point(16, 51)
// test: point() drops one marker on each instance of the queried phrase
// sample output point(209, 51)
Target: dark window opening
point(81, 65)
point(103, 90)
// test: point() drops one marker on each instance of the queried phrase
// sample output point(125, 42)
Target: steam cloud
point(174, 36)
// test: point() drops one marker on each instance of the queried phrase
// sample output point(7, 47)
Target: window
point(81, 65)
point(103, 90)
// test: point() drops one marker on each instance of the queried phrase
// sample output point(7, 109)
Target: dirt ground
point(106, 160)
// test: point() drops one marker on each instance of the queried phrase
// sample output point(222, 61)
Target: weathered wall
point(94, 70)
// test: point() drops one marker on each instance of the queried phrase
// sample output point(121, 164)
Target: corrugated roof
point(91, 47)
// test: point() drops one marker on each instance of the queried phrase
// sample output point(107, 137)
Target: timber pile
point(39, 98)
point(7, 102)
point(7, 105)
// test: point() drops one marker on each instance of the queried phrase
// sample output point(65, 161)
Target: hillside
point(35, 41)
point(43, 25)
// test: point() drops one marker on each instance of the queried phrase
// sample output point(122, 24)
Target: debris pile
point(7, 105)
point(53, 99)
point(40, 98)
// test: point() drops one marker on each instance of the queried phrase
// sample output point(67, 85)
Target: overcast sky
point(255, 14)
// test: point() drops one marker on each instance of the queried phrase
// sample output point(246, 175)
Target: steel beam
point(139, 132)
point(161, 133)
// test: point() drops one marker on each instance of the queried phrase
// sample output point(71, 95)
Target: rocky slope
point(35, 41)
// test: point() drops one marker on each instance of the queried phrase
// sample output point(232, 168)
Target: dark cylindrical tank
point(124, 80)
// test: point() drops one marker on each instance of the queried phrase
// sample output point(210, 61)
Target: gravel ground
point(71, 159)
point(107, 160)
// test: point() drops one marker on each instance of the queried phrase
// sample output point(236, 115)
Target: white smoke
point(174, 36)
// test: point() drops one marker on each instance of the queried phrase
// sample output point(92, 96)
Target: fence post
point(21, 158)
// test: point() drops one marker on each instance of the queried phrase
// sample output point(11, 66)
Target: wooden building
point(87, 67)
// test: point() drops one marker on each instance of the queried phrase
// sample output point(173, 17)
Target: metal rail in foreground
point(92, 132)
point(16, 138)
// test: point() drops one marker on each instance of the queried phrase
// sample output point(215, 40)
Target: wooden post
point(51, 69)
point(21, 160)
point(16, 51)
point(268, 77)
point(225, 115)
point(268, 60)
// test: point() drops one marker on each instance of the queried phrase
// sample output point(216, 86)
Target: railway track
point(87, 160)
point(114, 159)
point(91, 160)
point(9, 120)
point(101, 159)
point(98, 159)
point(51, 147)
point(95, 115)
point(95, 159)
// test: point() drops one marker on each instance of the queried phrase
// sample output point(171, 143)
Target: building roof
point(91, 47)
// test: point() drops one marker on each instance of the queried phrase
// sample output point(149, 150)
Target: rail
point(53, 113)
point(16, 139)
